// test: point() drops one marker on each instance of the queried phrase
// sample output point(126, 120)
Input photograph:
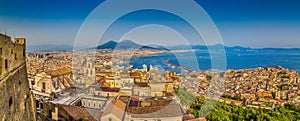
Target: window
point(24, 52)
point(15, 56)
point(6, 64)
point(10, 101)
point(0, 51)
point(110, 119)
point(44, 85)
point(37, 104)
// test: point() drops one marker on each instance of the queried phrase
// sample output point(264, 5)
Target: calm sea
point(200, 60)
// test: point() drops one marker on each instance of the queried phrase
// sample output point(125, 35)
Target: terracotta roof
point(101, 80)
point(119, 104)
point(141, 84)
point(105, 84)
point(81, 113)
point(104, 72)
point(187, 117)
point(59, 72)
point(107, 89)
point(116, 108)
point(172, 110)
point(135, 74)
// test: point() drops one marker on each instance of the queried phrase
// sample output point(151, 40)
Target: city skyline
point(142, 60)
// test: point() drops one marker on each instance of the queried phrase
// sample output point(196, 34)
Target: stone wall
point(12, 54)
point(16, 101)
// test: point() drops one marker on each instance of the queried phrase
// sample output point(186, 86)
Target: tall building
point(145, 69)
point(16, 101)
point(89, 71)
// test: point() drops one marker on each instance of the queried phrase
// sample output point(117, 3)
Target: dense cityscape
point(145, 91)
point(105, 86)
point(149, 60)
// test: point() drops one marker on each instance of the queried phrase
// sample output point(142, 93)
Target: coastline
point(234, 62)
point(176, 66)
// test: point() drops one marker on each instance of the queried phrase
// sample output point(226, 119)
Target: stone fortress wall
point(16, 101)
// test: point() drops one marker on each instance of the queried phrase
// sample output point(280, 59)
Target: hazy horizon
point(61, 46)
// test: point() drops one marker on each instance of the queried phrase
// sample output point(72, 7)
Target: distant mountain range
point(127, 44)
point(227, 48)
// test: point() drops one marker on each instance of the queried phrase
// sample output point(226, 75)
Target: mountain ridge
point(126, 44)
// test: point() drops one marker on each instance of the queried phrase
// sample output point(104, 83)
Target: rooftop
point(83, 113)
point(59, 72)
point(172, 110)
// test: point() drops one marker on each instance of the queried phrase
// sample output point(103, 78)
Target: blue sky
point(251, 23)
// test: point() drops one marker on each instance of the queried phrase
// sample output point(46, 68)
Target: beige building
point(157, 89)
point(89, 76)
point(53, 81)
point(142, 90)
point(94, 102)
